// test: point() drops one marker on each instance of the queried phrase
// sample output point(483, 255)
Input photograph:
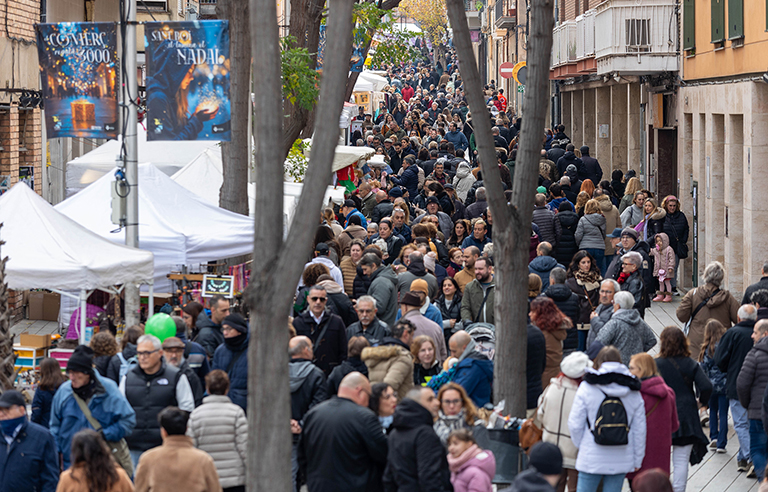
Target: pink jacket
point(664, 259)
point(473, 471)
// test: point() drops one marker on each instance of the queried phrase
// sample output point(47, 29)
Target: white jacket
point(554, 408)
point(219, 428)
point(607, 460)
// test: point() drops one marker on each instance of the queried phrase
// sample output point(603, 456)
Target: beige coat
point(390, 364)
point(552, 417)
point(554, 341)
point(176, 465)
point(723, 307)
point(612, 221)
point(219, 428)
point(73, 480)
point(348, 272)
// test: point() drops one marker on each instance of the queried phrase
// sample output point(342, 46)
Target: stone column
point(714, 189)
point(577, 118)
point(619, 126)
point(565, 112)
point(603, 120)
point(634, 128)
point(589, 112)
point(755, 181)
point(734, 201)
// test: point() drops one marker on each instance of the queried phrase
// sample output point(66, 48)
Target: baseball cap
point(12, 398)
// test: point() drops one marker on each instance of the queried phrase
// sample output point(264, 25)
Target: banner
point(79, 78)
point(188, 80)
point(359, 40)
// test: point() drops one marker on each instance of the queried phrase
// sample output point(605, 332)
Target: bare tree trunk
point(7, 356)
point(511, 223)
point(235, 158)
point(275, 266)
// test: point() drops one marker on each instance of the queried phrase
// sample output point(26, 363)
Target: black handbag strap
point(482, 305)
point(703, 303)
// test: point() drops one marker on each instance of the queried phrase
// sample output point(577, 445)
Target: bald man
point(383, 208)
point(474, 372)
point(342, 446)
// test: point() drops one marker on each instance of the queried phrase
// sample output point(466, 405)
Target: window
point(638, 35)
point(155, 5)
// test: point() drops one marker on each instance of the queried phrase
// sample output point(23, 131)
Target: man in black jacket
point(729, 357)
point(173, 350)
point(325, 329)
point(416, 459)
point(209, 333)
point(591, 168)
point(751, 384)
point(308, 389)
point(760, 284)
point(342, 446)
point(369, 325)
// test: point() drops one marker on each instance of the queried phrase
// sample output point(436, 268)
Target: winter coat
point(612, 379)
point(760, 284)
point(476, 209)
point(445, 424)
point(219, 428)
point(361, 284)
point(554, 342)
point(471, 240)
point(332, 349)
point(427, 327)
point(589, 297)
point(342, 447)
point(113, 370)
point(73, 480)
point(445, 222)
point(567, 245)
point(449, 313)
point(209, 335)
point(101, 363)
point(415, 271)
point(590, 233)
point(591, 169)
point(375, 332)
point(382, 209)
point(391, 363)
point(107, 405)
point(339, 302)
point(31, 462)
point(308, 387)
point(474, 373)
point(631, 216)
point(634, 285)
point(409, 179)
point(549, 226)
point(654, 224)
point(416, 459)
point(722, 307)
point(604, 314)
point(566, 160)
point(463, 180)
point(352, 364)
point(542, 266)
point(472, 300)
point(473, 470)
point(234, 361)
point(664, 258)
point(731, 352)
point(41, 407)
point(753, 379)
point(458, 139)
point(628, 333)
point(682, 381)
point(552, 416)
point(569, 304)
point(612, 220)
point(535, 361)
point(715, 375)
point(176, 465)
point(660, 423)
point(676, 227)
point(353, 231)
point(383, 288)
point(349, 272)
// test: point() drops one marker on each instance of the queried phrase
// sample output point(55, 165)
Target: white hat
point(575, 365)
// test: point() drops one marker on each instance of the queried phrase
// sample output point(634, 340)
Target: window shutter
point(735, 19)
point(718, 21)
point(689, 23)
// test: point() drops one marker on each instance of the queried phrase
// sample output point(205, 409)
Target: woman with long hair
point(455, 261)
point(680, 372)
point(660, 413)
point(51, 378)
point(633, 186)
point(584, 281)
point(449, 304)
point(461, 231)
point(328, 218)
point(472, 468)
point(590, 233)
point(104, 347)
point(534, 288)
point(589, 187)
point(718, 402)
point(581, 201)
point(458, 412)
point(189, 313)
point(425, 363)
point(554, 324)
point(652, 223)
point(93, 469)
point(348, 266)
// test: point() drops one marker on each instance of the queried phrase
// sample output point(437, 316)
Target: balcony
point(636, 39)
point(564, 50)
point(585, 43)
point(505, 14)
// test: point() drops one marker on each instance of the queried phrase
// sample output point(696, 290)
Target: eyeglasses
point(452, 402)
point(316, 299)
point(146, 354)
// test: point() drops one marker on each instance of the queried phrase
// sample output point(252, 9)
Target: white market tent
point(47, 250)
point(167, 156)
point(378, 81)
point(363, 85)
point(179, 227)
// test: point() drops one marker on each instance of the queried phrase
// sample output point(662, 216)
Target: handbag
point(119, 449)
point(687, 326)
point(682, 248)
point(529, 434)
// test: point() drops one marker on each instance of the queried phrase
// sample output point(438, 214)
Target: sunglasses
point(316, 299)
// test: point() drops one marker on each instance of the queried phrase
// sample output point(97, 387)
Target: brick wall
point(22, 16)
point(16, 152)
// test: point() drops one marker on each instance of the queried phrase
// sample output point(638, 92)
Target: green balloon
point(160, 325)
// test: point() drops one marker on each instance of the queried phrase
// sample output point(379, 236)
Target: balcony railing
point(505, 14)
point(585, 35)
point(564, 44)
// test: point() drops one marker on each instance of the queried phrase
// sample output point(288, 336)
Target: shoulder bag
point(529, 433)
point(119, 449)
point(687, 326)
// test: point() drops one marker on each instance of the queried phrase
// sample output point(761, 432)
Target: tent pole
point(151, 300)
point(83, 300)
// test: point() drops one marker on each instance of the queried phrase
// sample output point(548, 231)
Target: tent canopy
point(167, 156)
point(378, 81)
point(178, 227)
point(47, 250)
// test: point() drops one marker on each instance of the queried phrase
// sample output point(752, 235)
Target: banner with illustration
point(359, 41)
point(188, 80)
point(78, 68)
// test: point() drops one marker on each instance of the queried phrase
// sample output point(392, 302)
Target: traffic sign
point(519, 72)
point(506, 69)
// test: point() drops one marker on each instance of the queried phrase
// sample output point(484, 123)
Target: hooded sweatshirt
point(308, 387)
point(627, 331)
point(541, 266)
point(663, 258)
point(463, 180)
point(611, 379)
point(472, 470)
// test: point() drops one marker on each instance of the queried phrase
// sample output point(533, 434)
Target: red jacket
point(407, 93)
point(660, 422)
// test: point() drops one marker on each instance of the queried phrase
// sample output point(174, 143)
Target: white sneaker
point(720, 450)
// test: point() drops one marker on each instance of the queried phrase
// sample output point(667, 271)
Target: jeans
point(135, 455)
point(583, 340)
point(757, 447)
point(680, 458)
point(588, 482)
point(599, 255)
point(718, 420)
point(741, 426)
point(607, 259)
point(674, 279)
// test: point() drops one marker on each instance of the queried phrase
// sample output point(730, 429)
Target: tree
point(7, 356)
point(432, 18)
point(511, 221)
point(277, 263)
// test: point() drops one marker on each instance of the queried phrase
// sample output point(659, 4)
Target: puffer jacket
point(753, 379)
point(463, 181)
point(713, 372)
point(549, 226)
point(567, 302)
point(664, 258)
point(567, 245)
point(676, 227)
point(590, 233)
point(542, 266)
point(613, 379)
point(349, 272)
point(237, 358)
point(628, 333)
point(654, 224)
point(219, 428)
point(552, 417)
point(473, 470)
point(383, 288)
point(409, 179)
point(612, 220)
point(660, 423)
point(391, 363)
point(722, 307)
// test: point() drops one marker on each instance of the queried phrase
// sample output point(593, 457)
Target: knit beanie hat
point(575, 365)
point(81, 360)
point(546, 458)
point(237, 322)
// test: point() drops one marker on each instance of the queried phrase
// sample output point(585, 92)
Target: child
point(472, 469)
point(718, 402)
point(663, 267)
point(51, 378)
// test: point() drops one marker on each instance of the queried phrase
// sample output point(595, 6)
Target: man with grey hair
point(760, 284)
point(626, 330)
point(478, 207)
point(604, 311)
point(631, 279)
point(750, 386)
point(149, 387)
point(383, 286)
point(498, 140)
point(729, 357)
point(368, 326)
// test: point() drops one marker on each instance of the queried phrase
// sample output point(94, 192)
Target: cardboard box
point(44, 306)
point(36, 341)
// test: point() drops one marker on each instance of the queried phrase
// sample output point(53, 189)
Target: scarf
point(588, 279)
point(623, 277)
point(234, 343)
point(456, 463)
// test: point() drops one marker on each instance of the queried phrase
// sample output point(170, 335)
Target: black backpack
point(611, 423)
